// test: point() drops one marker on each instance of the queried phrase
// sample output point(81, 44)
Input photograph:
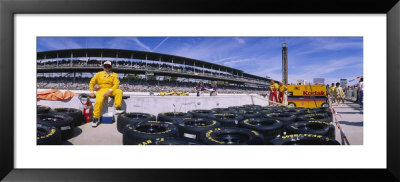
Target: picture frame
point(9, 8)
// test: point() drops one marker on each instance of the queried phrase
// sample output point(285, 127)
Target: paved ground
point(104, 134)
point(351, 120)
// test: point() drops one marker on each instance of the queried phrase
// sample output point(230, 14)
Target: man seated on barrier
point(108, 86)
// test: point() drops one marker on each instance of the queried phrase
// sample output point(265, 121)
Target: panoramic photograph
point(199, 90)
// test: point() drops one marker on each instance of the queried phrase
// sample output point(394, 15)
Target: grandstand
point(140, 71)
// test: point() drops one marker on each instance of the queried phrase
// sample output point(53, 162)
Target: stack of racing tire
point(55, 125)
point(237, 125)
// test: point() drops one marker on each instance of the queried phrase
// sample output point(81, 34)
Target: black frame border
point(9, 8)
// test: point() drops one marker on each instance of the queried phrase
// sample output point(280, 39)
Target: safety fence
point(343, 137)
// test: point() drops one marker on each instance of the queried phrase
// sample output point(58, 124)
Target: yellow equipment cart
point(307, 96)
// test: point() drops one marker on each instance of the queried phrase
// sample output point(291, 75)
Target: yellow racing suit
point(106, 82)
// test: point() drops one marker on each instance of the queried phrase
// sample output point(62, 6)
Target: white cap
point(107, 62)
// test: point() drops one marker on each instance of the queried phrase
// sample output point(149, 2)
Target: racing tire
point(269, 128)
point(136, 133)
point(318, 110)
point(249, 114)
point(235, 108)
point(266, 110)
point(312, 127)
point(201, 113)
point(61, 121)
point(285, 118)
point(232, 136)
point(47, 135)
point(222, 110)
point(124, 119)
point(171, 141)
point(326, 105)
point(227, 119)
point(314, 117)
point(76, 114)
point(172, 117)
point(294, 111)
point(193, 127)
point(42, 109)
point(304, 139)
point(291, 105)
point(251, 107)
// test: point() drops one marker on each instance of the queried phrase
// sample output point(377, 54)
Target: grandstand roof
point(120, 53)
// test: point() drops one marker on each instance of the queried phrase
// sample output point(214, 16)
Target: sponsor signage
point(313, 93)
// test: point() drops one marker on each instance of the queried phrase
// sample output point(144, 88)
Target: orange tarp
point(54, 94)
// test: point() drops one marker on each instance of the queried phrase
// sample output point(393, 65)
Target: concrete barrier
point(157, 104)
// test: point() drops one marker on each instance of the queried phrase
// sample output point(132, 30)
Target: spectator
point(282, 90)
point(139, 85)
point(273, 94)
point(200, 88)
point(339, 93)
point(360, 92)
point(213, 88)
point(332, 94)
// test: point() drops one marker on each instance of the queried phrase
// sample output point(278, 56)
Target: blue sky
point(331, 58)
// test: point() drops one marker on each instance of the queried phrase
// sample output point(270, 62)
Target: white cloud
point(239, 40)
point(267, 67)
point(144, 46)
point(206, 49)
point(127, 43)
point(318, 44)
point(235, 62)
point(120, 43)
point(160, 44)
point(224, 59)
point(330, 67)
point(57, 44)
